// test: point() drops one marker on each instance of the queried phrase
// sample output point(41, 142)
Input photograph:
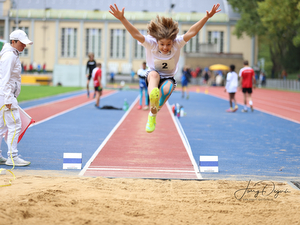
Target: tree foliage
point(278, 22)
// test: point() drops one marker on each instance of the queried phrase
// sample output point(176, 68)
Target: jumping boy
point(162, 55)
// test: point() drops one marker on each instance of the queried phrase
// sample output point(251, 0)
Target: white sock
point(245, 107)
point(250, 103)
point(151, 114)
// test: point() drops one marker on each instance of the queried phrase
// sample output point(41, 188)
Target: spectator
point(97, 74)
point(284, 74)
point(262, 79)
point(143, 87)
point(247, 81)
point(206, 75)
point(44, 68)
point(90, 65)
point(10, 83)
point(112, 77)
point(39, 67)
point(185, 79)
point(231, 88)
point(30, 68)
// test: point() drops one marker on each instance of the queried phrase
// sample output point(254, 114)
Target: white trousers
point(12, 125)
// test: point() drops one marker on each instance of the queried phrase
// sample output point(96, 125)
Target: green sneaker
point(150, 126)
point(154, 100)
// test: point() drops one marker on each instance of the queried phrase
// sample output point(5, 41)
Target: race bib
point(164, 65)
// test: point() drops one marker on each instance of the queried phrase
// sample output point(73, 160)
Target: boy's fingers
point(111, 7)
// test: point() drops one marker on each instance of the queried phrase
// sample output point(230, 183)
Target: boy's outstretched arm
point(129, 27)
point(197, 26)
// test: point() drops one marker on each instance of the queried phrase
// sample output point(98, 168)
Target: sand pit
point(38, 199)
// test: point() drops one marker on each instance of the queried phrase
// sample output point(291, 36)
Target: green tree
point(277, 23)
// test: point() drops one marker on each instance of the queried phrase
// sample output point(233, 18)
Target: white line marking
point(262, 110)
point(147, 170)
point(51, 102)
point(277, 105)
point(185, 141)
point(107, 138)
point(66, 111)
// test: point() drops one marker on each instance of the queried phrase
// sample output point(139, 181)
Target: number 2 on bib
point(164, 64)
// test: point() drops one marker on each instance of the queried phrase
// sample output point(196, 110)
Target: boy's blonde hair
point(163, 28)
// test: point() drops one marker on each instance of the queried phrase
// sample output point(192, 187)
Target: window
point(68, 42)
point(192, 45)
point(209, 37)
point(139, 51)
point(117, 43)
point(217, 38)
point(1, 32)
point(25, 52)
point(93, 42)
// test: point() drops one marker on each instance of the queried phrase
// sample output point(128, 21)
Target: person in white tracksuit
point(10, 87)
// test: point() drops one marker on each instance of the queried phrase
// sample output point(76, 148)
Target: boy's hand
point(213, 11)
point(116, 12)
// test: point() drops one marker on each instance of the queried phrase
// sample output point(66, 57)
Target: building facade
point(65, 31)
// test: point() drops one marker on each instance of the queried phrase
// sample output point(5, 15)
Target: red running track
point(131, 152)
point(283, 104)
point(49, 110)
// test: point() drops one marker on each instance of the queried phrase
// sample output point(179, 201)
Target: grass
point(36, 92)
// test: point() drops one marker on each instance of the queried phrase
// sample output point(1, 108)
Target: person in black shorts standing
point(247, 80)
point(91, 64)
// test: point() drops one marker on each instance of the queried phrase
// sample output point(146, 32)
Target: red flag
point(26, 121)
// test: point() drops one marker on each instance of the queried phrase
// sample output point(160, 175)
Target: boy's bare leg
point(153, 81)
point(166, 90)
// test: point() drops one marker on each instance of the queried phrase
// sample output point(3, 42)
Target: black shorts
point(247, 90)
point(98, 89)
point(89, 77)
point(162, 79)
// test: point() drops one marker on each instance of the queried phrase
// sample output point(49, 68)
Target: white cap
point(21, 36)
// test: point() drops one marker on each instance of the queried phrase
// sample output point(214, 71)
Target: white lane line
point(66, 111)
point(185, 141)
point(51, 102)
point(107, 138)
point(144, 170)
point(262, 110)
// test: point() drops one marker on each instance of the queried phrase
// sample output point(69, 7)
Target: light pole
point(15, 6)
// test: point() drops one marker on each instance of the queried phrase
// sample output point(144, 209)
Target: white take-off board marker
point(2, 171)
point(209, 164)
point(72, 161)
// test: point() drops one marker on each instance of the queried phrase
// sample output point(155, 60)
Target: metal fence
point(283, 84)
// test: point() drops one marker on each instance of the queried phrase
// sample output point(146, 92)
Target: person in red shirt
point(247, 81)
point(96, 74)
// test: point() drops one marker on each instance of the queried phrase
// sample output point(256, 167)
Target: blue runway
point(247, 144)
point(255, 143)
point(78, 131)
